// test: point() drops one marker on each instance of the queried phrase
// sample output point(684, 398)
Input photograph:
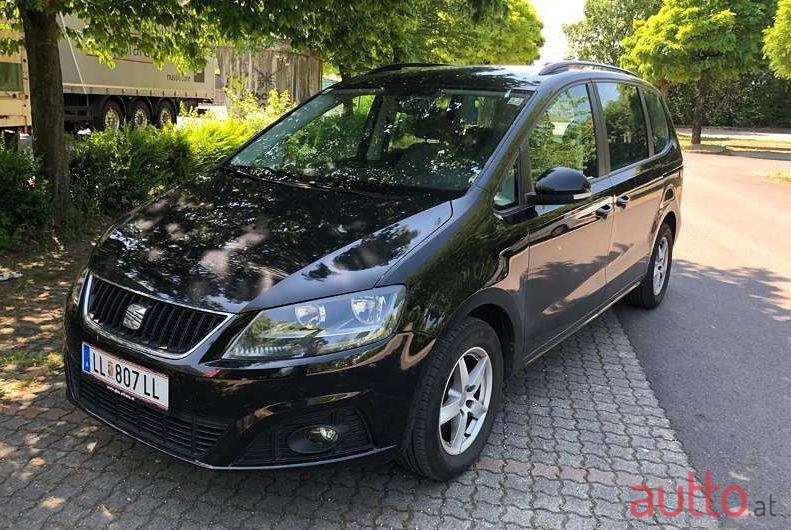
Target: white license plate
point(128, 378)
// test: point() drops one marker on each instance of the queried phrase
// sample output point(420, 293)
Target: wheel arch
point(498, 309)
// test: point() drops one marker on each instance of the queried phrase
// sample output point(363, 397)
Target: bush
point(114, 171)
point(26, 207)
point(757, 99)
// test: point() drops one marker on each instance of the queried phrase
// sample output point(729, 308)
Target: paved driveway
point(577, 430)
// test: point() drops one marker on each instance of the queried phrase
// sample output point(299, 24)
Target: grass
point(713, 143)
point(783, 177)
point(22, 372)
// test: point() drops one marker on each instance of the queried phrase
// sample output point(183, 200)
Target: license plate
point(127, 378)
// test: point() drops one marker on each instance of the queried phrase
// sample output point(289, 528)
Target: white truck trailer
point(97, 96)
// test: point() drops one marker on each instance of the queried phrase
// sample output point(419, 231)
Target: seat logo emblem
point(133, 317)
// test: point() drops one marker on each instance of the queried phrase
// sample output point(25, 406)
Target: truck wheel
point(166, 113)
point(141, 114)
point(111, 117)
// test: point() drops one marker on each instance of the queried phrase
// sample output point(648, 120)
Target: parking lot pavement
point(578, 429)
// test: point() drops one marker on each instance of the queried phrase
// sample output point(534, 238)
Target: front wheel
point(456, 403)
point(651, 291)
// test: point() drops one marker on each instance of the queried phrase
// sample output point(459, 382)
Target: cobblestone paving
point(578, 429)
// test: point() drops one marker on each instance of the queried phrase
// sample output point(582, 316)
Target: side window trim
point(603, 150)
point(649, 125)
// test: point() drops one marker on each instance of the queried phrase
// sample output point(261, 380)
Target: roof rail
point(564, 66)
point(398, 66)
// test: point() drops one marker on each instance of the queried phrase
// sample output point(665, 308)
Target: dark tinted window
point(435, 139)
point(660, 131)
point(564, 136)
point(625, 121)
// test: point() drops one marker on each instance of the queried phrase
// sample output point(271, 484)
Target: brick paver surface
point(576, 431)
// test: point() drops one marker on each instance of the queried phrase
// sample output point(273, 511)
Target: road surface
point(718, 351)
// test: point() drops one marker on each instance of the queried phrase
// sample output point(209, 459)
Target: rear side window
point(660, 131)
point(625, 122)
point(564, 136)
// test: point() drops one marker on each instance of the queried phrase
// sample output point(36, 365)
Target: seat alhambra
point(358, 280)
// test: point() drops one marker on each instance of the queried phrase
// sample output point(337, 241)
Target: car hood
point(232, 243)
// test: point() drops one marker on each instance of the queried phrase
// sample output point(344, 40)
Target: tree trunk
point(348, 106)
point(700, 104)
point(46, 106)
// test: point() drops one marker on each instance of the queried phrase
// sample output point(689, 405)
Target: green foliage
point(598, 36)
point(687, 39)
point(25, 205)
point(757, 99)
point(114, 171)
point(334, 135)
point(777, 40)
point(506, 36)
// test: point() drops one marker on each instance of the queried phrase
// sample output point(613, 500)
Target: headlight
point(76, 289)
point(320, 326)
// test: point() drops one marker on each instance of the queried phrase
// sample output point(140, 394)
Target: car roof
point(413, 76)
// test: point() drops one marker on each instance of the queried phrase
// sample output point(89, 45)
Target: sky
point(555, 13)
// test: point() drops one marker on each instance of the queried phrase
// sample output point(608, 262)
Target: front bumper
point(242, 418)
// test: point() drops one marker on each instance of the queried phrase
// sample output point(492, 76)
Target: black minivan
point(359, 278)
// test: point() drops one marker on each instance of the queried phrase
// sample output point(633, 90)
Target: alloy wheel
point(660, 264)
point(465, 403)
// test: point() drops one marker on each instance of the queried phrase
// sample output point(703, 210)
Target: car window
point(334, 135)
point(384, 139)
point(507, 193)
point(625, 122)
point(564, 136)
point(660, 131)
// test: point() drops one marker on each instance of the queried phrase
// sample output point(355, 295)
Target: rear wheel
point(111, 116)
point(456, 404)
point(651, 291)
point(166, 113)
point(141, 114)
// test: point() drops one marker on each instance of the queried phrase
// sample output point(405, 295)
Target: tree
point(349, 32)
point(697, 41)
point(777, 41)
point(598, 36)
point(510, 34)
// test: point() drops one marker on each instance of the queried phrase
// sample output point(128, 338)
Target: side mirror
point(560, 185)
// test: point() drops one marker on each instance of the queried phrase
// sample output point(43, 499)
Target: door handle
point(604, 211)
point(623, 200)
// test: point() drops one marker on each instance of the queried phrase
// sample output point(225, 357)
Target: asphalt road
point(718, 351)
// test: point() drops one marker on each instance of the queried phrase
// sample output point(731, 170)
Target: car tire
point(651, 291)
point(430, 447)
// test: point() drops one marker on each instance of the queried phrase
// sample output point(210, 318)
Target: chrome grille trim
point(84, 306)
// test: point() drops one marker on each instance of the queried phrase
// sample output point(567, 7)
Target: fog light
point(315, 439)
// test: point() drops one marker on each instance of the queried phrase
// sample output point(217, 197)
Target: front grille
point(167, 328)
point(271, 447)
point(186, 436)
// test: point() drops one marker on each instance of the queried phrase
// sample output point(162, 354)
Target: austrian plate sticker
point(127, 378)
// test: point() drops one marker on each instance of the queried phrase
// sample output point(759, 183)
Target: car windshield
point(381, 139)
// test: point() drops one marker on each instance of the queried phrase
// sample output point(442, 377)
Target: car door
point(568, 244)
point(635, 169)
